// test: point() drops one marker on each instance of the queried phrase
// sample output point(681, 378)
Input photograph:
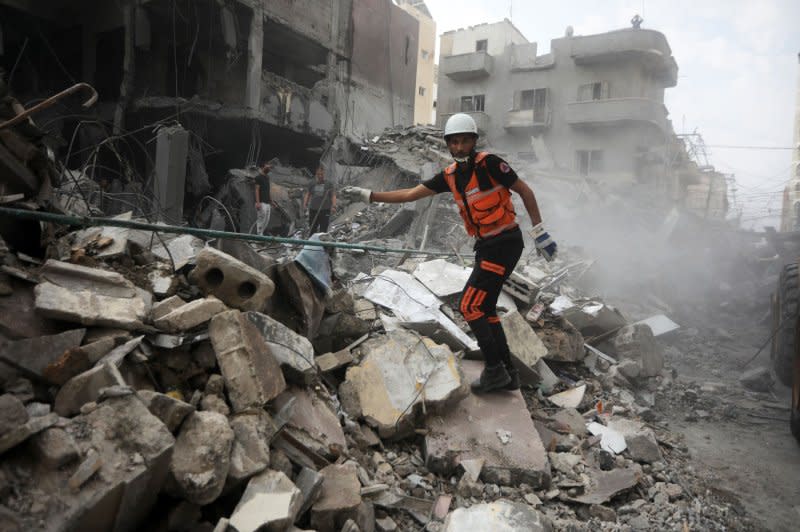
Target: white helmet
point(460, 123)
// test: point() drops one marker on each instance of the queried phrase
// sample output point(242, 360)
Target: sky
point(738, 73)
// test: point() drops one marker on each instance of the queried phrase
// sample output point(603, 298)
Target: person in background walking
point(320, 200)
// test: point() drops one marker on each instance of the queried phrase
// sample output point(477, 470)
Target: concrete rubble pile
point(249, 390)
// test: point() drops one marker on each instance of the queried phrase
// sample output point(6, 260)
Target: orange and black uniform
point(481, 191)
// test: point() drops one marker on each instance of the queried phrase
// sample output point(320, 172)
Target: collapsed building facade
point(245, 81)
point(592, 108)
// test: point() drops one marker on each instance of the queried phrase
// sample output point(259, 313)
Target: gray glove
point(356, 194)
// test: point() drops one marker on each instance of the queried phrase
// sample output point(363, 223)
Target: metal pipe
point(50, 101)
point(94, 221)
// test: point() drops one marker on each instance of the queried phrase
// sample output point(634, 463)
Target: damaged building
point(229, 83)
point(591, 108)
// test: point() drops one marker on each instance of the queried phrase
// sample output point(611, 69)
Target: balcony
point(527, 120)
point(617, 110)
point(467, 66)
point(481, 120)
point(648, 46)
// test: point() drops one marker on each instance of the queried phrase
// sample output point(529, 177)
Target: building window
point(593, 91)
point(473, 103)
point(422, 91)
point(535, 99)
point(589, 162)
point(482, 45)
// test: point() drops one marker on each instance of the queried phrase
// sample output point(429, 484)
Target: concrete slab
point(313, 423)
point(33, 355)
point(500, 516)
point(252, 375)
point(469, 431)
point(522, 339)
point(89, 308)
point(270, 502)
point(399, 372)
point(293, 352)
point(190, 315)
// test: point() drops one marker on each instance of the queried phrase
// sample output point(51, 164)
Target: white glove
point(357, 194)
point(545, 246)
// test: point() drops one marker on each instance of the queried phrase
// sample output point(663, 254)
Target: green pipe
point(93, 221)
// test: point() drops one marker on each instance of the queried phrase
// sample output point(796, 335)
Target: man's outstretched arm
point(403, 195)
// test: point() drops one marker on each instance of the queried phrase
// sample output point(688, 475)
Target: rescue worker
point(481, 185)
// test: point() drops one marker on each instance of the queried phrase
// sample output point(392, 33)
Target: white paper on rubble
point(446, 279)
point(610, 440)
point(659, 324)
point(561, 304)
point(412, 302)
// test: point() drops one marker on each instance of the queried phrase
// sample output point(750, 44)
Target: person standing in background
point(263, 198)
point(320, 200)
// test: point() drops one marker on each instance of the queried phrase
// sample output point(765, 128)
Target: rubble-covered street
point(181, 350)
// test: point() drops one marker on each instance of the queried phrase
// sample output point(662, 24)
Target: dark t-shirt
point(320, 196)
point(501, 172)
point(497, 167)
point(263, 184)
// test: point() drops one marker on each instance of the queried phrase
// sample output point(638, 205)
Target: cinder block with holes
point(231, 280)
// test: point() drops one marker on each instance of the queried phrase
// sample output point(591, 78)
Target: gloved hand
point(356, 194)
point(545, 246)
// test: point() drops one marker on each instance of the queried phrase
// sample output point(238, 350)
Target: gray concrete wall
point(635, 92)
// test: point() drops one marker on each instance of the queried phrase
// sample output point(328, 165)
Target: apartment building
point(593, 106)
point(257, 76)
point(426, 61)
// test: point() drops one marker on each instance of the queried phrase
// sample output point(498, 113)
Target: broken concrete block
point(309, 482)
point(232, 281)
point(757, 380)
point(313, 422)
point(333, 361)
point(252, 375)
point(250, 453)
point(456, 436)
point(54, 447)
point(397, 373)
point(162, 308)
point(190, 315)
point(570, 420)
point(522, 340)
point(636, 342)
point(88, 308)
point(564, 343)
point(168, 409)
point(12, 413)
point(339, 499)
point(501, 516)
point(31, 356)
point(571, 398)
point(181, 249)
point(82, 278)
point(201, 458)
point(134, 447)
point(605, 485)
point(83, 388)
point(642, 444)
point(293, 352)
point(20, 433)
point(271, 502)
point(90, 465)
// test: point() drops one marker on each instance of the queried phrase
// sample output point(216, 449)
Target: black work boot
point(513, 383)
point(492, 378)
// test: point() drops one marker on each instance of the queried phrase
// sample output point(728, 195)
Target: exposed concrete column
point(128, 67)
point(172, 150)
point(255, 58)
